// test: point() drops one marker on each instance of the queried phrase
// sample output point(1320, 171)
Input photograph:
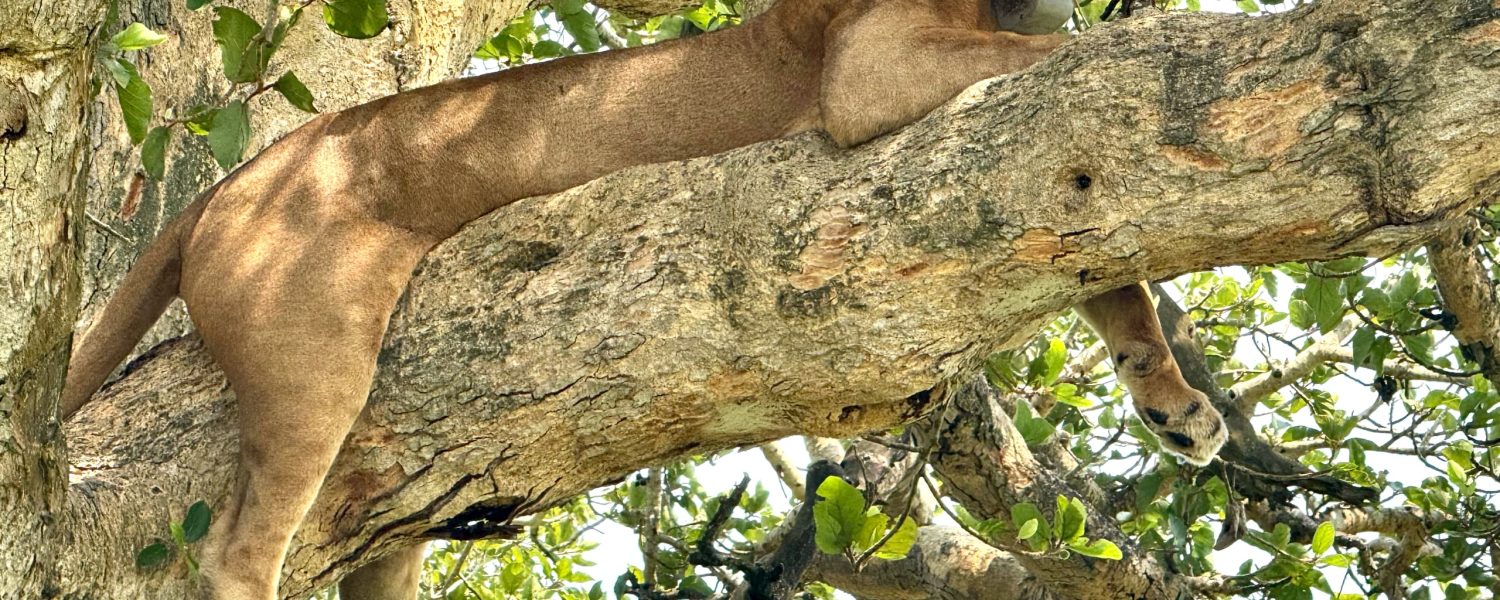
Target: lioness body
point(291, 266)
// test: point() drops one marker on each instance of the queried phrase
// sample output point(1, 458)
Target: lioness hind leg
point(299, 347)
point(292, 425)
point(1178, 414)
point(396, 576)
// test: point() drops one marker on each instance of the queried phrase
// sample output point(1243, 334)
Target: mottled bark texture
point(1469, 295)
point(792, 287)
point(44, 90)
point(947, 563)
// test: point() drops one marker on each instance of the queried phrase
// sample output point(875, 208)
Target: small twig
point(911, 496)
point(704, 553)
point(1109, 10)
point(105, 226)
point(651, 524)
point(890, 443)
point(457, 571)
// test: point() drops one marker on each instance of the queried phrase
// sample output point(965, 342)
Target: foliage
point(246, 48)
point(183, 534)
point(846, 525)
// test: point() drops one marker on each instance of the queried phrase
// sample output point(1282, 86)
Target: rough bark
point(791, 287)
point(1469, 295)
point(45, 50)
point(986, 466)
point(946, 564)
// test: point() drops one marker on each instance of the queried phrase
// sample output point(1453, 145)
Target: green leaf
point(1326, 299)
point(492, 49)
point(1023, 513)
point(1101, 548)
point(135, 103)
point(1363, 339)
point(117, 71)
point(357, 19)
point(152, 556)
point(202, 121)
point(839, 516)
point(1419, 345)
point(1323, 538)
point(197, 4)
point(1248, 6)
point(154, 152)
point(292, 89)
point(871, 530)
point(1379, 351)
point(229, 134)
point(177, 533)
point(1301, 314)
point(1146, 490)
point(581, 26)
point(1067, 393)
point(235, 31)
point(137, 37)
point(548, 49)
point(1055, 358)
point(1035, 430)
point(900, 543)
point(195, 524)
point(567, 7)
point(1070, 519)
point(1027, 530)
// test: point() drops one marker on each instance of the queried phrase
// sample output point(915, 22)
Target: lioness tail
point(143, 295)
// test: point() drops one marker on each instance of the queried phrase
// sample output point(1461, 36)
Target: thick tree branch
point(945, 564)
point(985, 465)
point(1469, 294)
point(566, 341)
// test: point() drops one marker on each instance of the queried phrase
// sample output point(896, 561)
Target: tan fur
point(291, 266)
point(1179, 415)
point(396, 576)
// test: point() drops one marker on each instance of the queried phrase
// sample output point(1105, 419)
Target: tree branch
point(1468, 294)
point(566, 341)
point(1326, 348)
point(946, 563)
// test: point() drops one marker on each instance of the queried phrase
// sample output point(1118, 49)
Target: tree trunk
point(45, 51)
point(792, 287)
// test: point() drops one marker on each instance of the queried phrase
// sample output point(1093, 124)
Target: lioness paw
point(1185, 422)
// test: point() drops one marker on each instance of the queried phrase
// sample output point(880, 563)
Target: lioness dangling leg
point(301, 366)
point(857, 106)
point(395, 576)
point(1178, 414)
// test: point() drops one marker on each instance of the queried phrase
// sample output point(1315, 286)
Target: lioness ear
point(1031, 17)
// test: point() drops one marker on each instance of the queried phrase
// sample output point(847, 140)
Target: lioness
point(292, 264)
